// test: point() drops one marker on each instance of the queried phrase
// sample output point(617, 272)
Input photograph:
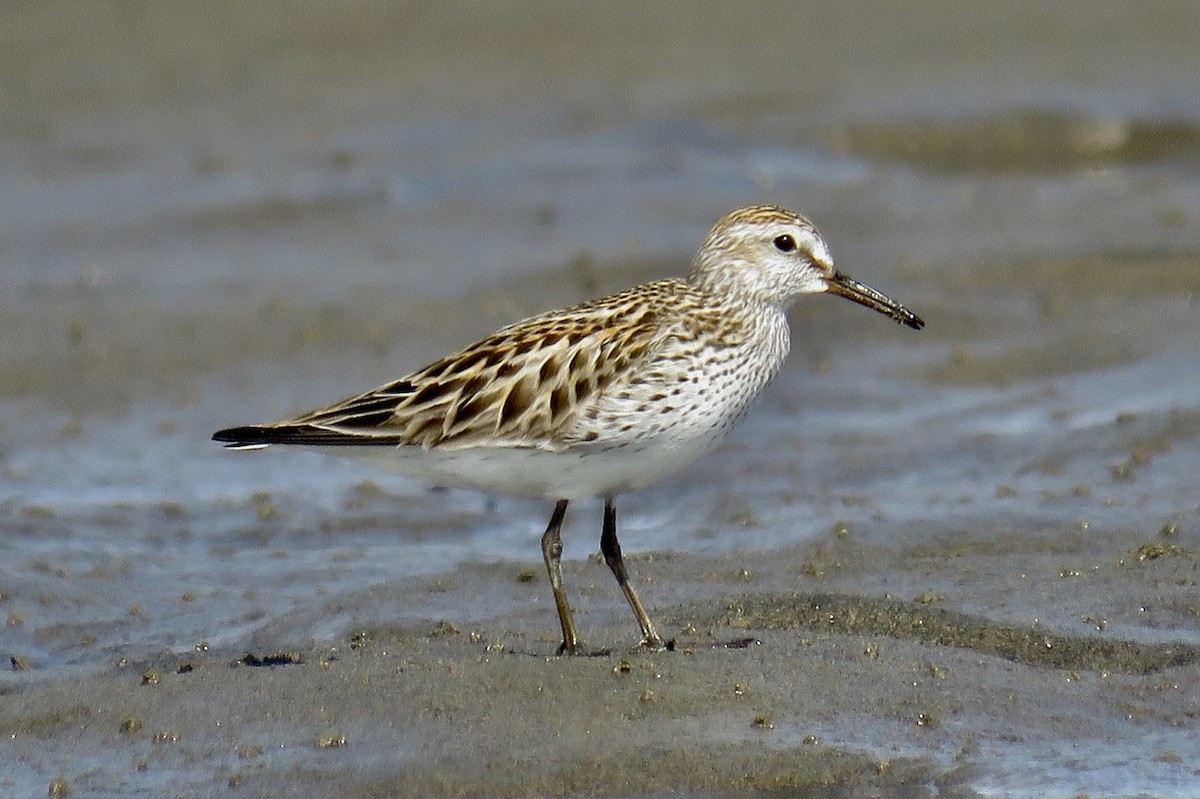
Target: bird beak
point(851, 289)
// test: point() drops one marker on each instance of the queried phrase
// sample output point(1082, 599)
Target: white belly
point(577, 473)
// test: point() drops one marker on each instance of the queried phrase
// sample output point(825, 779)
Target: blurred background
point(226, 212)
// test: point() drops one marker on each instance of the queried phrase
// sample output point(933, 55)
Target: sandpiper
point(602, 398)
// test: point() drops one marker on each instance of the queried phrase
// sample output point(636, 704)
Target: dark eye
point(785, 243)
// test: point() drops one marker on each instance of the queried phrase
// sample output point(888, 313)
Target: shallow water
point(259, 221)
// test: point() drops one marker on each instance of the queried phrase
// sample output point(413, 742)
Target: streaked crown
point(765, 254)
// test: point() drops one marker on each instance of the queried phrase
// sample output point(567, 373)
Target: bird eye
point(785, 243)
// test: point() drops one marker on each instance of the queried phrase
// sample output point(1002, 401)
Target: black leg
point(611, 549)
point(552, 553)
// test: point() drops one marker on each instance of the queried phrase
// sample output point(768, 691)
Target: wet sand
point(840, 689)
point(968, 557)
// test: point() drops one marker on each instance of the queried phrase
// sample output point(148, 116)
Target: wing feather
point(525, 386)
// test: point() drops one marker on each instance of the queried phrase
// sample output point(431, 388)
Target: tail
point(258, 437)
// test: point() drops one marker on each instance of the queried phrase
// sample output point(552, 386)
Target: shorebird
point(601, 398)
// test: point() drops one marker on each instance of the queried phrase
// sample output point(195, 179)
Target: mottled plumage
point(531, 384)
point(604, 397)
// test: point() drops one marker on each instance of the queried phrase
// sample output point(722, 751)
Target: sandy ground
point(436, 708)
point(967, 559)
point(844, 686)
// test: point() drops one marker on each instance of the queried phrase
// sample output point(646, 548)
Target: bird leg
point(552, 553)
point(611, 549)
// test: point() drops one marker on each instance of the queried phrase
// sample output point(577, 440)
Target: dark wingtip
point(242, 436)
point(913, 321)
point(257, 436)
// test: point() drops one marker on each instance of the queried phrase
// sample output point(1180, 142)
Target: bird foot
point(656, 644)
point(579, 650)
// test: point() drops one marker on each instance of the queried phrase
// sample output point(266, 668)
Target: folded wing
point(528, 385)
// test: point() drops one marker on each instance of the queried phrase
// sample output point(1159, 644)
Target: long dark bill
point(851, 289)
